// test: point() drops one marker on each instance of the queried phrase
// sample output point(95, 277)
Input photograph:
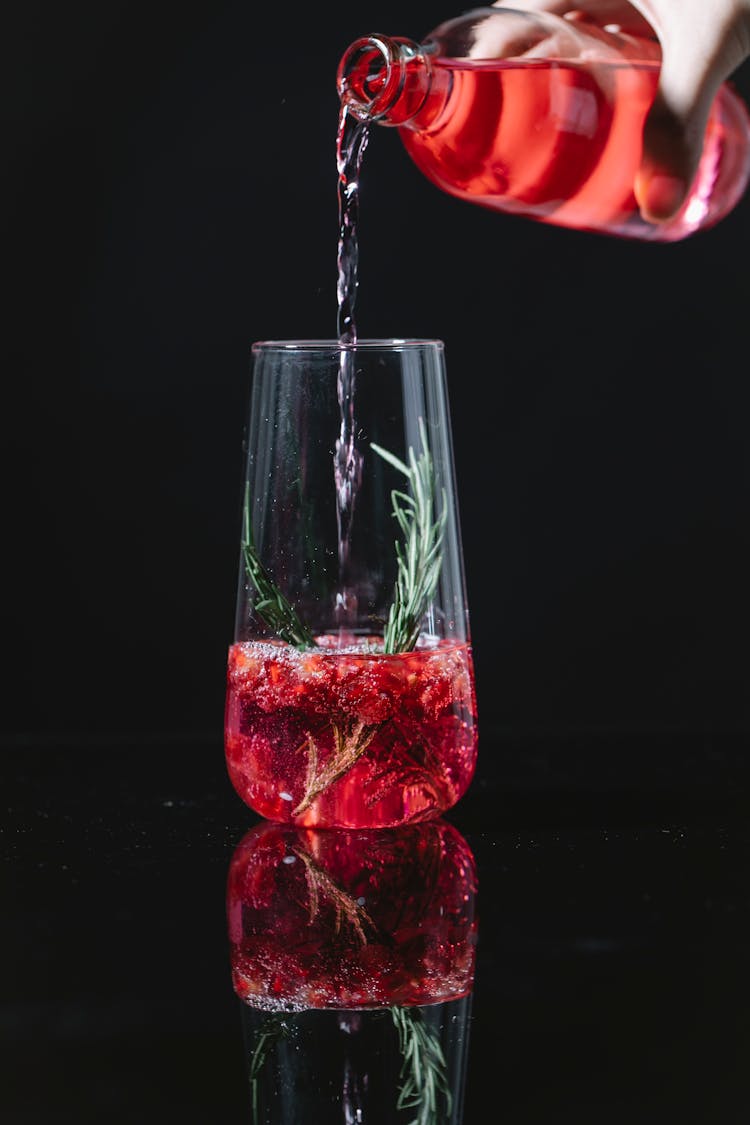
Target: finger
point(525, 29)
point(602, 12)
point(696, 59)
point(519, 32)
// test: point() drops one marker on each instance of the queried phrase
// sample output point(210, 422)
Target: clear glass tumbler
point(350, 692)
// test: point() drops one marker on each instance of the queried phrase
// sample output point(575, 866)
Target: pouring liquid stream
point(351, 142)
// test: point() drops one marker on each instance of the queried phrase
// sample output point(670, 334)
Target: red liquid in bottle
point(350, 738)
point(561, 143)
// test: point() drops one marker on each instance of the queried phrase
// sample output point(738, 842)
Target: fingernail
point(659, 196)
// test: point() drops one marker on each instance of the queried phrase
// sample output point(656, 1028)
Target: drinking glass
point(350, 688)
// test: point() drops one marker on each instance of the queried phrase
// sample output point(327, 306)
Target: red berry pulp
point(351, 919)
point(350, 737)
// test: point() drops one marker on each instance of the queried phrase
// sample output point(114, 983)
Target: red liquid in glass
point(561, 143)
point(351, 919)
point(350, 738)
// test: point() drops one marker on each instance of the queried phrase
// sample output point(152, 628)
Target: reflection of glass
point(350, 699)
point(353, 953)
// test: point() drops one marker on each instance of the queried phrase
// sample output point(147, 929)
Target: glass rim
point(368, 344)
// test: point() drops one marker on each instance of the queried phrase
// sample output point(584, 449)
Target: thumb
point(695, 62)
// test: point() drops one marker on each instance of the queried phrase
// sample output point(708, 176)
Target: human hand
point(702, 43)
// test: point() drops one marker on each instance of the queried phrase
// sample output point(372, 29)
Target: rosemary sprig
point(276, 1027)
point(350, 741)
point(420, 556)
point(273, 608)
point(423, 1073)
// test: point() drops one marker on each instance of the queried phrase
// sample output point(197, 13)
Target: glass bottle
point(541, 116)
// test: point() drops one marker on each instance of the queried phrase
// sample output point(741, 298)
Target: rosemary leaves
point(420, 555)
point(273, 608)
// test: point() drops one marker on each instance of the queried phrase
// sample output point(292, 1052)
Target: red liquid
point(351, 919)
point(560, 143)
point(350, 738)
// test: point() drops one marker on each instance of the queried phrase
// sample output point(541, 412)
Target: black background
point(170, 197)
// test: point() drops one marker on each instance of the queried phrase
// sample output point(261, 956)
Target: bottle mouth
point(372, 73)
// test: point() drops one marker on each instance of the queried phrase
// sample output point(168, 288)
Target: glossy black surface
point(612, 962)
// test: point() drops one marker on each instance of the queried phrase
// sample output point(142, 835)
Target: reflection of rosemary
point(275, 1029)
point(320, 885)
point(272, 607)
point(423, 1070)
point(420, 556)
point(424, 1089)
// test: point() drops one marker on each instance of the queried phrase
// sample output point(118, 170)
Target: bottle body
point(553, 130)
point(561, 143)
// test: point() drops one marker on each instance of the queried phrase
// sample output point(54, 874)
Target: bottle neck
point(388, 80)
